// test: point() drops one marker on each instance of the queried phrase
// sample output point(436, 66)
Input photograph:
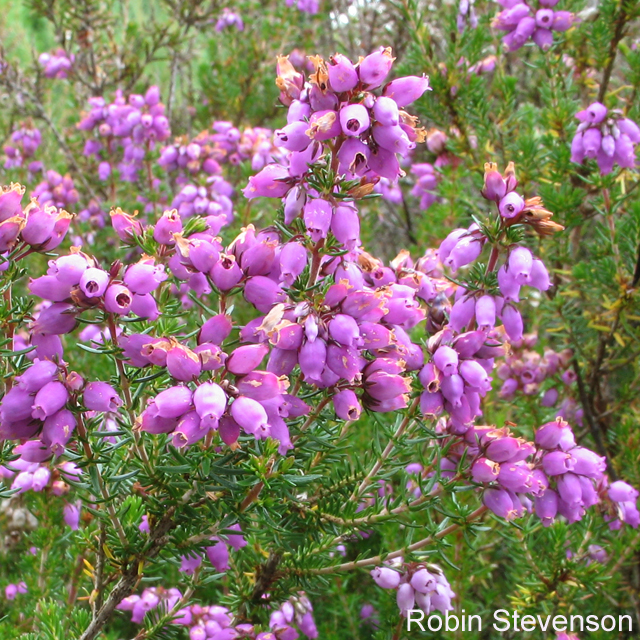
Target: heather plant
point(318, 319)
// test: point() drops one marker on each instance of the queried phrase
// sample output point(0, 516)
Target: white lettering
point(438, 618)
point(446, 623)
point(502, 620)
point(418, 621)
point(526, 621)
point(563, 622)
point(546, 623)
point(620, 619)
point(471, 623)
point(592, 623)
point(613, 623)
point(581, 623)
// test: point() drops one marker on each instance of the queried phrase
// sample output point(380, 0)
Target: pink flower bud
point(263, 293)
point(422, 581)
point(183, 364)
point(385, 577)
point(245, 359)
point(405, 598)
point(293, 137)
point(486, 313)
point(515, 477)
point(385, 111)
point(620, 491)
point(346, 405)
point(271, 182)
point(512, 321)
point(49, 400)
point(218, 556)
point(556, 463)
point(167, 225)
point(373, 69)
point(317, 218)
point(171, 403)
point(144, 277)
point(10, 198)
point(500, 502)
point(68, 269)
point(261, 385)
point(452, 388)
point(591, 142)
point(446, 359)
point(100, 396)
point(215, 329)
point(342, 73)
point(124, 224)
point(546, 506)
point(392, 139)
point(37, 376)
point(484, 470)
point(117, 299)
point(475, 375)
point(251, 416)
point(406, 90)
point(57, 430)
point(548, 435)
point(312, 358)
point(189, 430)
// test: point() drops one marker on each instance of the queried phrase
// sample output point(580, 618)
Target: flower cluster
point(226, 144)
point(421, 585)
point(295, 612)
point(337, 107)
point(523, 21)
point(56, 191)
point(57, 64)
point(229, 18)
point(525, 371)
point(216, 622)
point(74, 283)
point(550, 477)
point(607, 136)
point(36, 227)
point(33, 469)
point(127, 126)
point(12, 590)
point(306, 6)
point(24, 143)
point(467, 16)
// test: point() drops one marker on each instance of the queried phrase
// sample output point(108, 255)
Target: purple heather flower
point(100, 396)
point(171, 403)
point(317, 215)
point(251, 416)
point(93, 282)
point(406, 90)
point(373, 69)
point(49, 400)
point(342, 73)
point(347, 405)
point(71, 515)
point(446, 359)
point(218, 555)
point(354, 119)
point(271, 182)
point(385, 577)
point(117, 299)
point(511, 205)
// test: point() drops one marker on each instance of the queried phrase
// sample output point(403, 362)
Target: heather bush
point(318, 319)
